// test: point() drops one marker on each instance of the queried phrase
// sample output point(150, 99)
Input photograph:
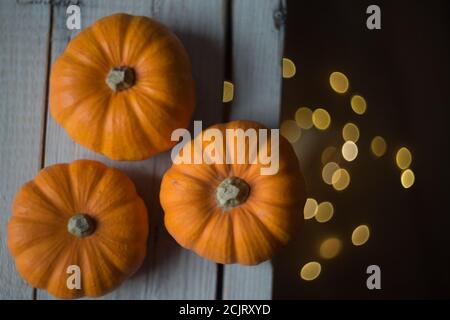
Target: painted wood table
point(236, 40)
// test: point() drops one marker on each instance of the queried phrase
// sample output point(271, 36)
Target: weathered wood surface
point(169, 272)
point(31, 139)
point(23, 65)
point(258, 35)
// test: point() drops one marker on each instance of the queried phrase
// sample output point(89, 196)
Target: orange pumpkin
point(81, 214)
point(231, 213)
point(122, 86)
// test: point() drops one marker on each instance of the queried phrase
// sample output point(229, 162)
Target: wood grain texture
point(169, 272)
point(23, 64)
point(257, 51)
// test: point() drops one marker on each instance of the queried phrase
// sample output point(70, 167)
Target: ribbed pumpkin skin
point(137, 122)
point(246, 234)
point(43, 248)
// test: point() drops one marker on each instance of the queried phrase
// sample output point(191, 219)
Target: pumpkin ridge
point(111, 50)
point(46, 206)
point(19, 248)
point(92, 41)
point(149, 52)
point(72, 189)
point(198, 231)
point(148, 93)
point(66, 118)
point(93, 283)
point(184, 174)
point(203, 235)
point(231, 252)
point(53, 272)
point(41, 193)
point(107, 174)
point(123, 28)
point(124, 267)
point(53, 253)
point(104, 272)
point(122, 130)
point(249, 242)
point(119, 243)
point(94, 189)
point(150, 129)
point(90, 272)
point(103, 147)
point(104, 247)
point(105, 214)
point(118, 204)
point(134, 27)
point(101, 131)
point(167, 120)
point(182, 203)
point(144, 46)
point(233, 256)
point(74, 64)
point(262, 225)
point(96, 174)
point(84, 60)
point(133, 104)
point(279, 229)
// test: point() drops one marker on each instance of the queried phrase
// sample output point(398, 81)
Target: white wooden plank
point(169, 271)
point(257, 48)
point(23, 63)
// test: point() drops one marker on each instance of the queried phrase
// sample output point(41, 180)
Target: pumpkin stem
point(81, 225)
point(120, 78)
point(232, 192)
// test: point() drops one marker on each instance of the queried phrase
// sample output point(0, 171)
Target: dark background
point(403, 72)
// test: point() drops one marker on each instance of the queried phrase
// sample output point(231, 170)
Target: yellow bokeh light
point(310, 271)
point(303, 117)
point(349, 151)
point(290, 130)
point(330, 248)
point(407, 179)
point(350, 132)
point(359, 104)
point(378, 146)
point(360, 235)
point(330, 154)
point(403, 158)
point(321, 119)
point(310, 208)
point(340, 179)
point(228, 91)
point(339, 82)
point(328, 170)
point(289, 68)
point(325, 212)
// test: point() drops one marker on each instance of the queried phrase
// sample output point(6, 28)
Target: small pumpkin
point(81, 214)
point(230, 213)
point(122, 86)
